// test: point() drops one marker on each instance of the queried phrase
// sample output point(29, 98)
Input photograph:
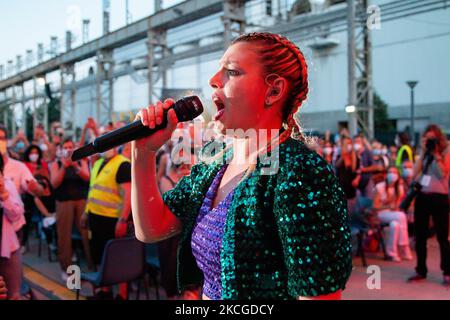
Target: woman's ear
point(276, 92)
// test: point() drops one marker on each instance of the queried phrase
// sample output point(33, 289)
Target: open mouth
point(220, 107)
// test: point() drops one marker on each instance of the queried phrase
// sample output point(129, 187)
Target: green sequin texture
point(286, 235)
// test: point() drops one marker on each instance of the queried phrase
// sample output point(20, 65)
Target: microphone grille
point(188, 108)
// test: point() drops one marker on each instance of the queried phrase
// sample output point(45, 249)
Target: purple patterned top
point(207, 238)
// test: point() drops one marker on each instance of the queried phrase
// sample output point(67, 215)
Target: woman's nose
point(215, 81)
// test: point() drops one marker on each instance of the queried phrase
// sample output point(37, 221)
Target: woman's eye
point(232, 72)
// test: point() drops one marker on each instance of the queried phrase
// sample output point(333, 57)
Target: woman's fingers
point(172, 120)
point(168, 103)
point(159, 112)
point(151, 117)
point(143, 116)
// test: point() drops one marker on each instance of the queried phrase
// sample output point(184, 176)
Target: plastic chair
point(360, 226)
point(123, 261)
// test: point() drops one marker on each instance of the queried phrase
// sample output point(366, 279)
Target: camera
point(431, 145)
point(414, 190)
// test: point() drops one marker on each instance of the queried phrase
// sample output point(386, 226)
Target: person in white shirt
point(22, 178)
point(11, 220)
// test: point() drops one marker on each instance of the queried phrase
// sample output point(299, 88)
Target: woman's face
point(239, 88)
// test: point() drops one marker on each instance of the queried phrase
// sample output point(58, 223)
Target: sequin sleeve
point(312, 221)
point(178, 199)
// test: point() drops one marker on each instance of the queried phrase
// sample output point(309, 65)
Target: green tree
point(382, 122)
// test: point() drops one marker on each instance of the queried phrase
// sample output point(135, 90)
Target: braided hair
point(281, 57)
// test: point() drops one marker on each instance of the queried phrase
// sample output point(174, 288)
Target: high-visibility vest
point(398, 161)
point(104, 197)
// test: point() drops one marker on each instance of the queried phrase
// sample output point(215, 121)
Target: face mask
point(349, 148)
point(19, 146)
point(392, 177)
point(376, 152)
point(384, 152)
point(327, 151)
point(407, 172)
point(34, 157)
point(3, 146)
point(43, 147)
point(65, 153)
point(357, 147)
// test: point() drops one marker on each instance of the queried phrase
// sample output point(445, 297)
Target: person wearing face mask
point(387, 198)
point(366, 167)
point(108, 207)
point(33, 160)
point(346, 165)
point(18, 145)
point(328, 152)
point(40, 138)
point(432, 171)
point(70, 181)
point(380, 160)
point(408, 172)
point(16, 170)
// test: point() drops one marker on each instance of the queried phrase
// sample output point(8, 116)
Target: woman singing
point(246, 234)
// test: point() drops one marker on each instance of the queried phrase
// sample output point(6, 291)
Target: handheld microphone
point(187, 108)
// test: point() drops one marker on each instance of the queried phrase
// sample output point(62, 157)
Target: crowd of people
point(378, 180)
point(92, 198)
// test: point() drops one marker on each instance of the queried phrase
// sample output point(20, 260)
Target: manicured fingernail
point(152, 124)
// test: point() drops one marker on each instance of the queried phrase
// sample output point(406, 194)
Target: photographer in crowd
point(432, 173)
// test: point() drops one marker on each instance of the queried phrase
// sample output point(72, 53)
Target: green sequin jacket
point(286, 234)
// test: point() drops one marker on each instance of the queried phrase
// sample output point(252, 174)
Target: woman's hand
point(151, 117)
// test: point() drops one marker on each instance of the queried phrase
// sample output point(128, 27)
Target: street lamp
point(411, 85)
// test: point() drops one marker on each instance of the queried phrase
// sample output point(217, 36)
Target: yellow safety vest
point(408, 150)
point(104, 197)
